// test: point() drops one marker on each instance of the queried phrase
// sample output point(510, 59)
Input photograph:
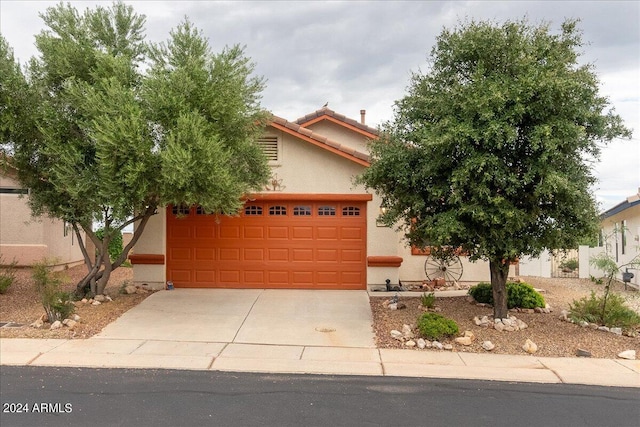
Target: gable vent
point(269, 146)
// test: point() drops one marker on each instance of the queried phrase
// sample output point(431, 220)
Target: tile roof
point(321, 141)
point(326, 112)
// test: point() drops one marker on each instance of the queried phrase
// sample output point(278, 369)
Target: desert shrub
point(7, 274)
point(115, 245)
point(523, 295)
point(520, 295)
point(435, 326)
point(615, 314)
point(482, 292)
point(57, 304)
point(570, 264)
point(428, 300)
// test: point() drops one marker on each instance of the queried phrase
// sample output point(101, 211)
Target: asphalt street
point(124, 397)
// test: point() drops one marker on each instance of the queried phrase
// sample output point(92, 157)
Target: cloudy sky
point(359, 54)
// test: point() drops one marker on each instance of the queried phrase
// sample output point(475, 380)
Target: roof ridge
point(326, 111)
point(308, 133)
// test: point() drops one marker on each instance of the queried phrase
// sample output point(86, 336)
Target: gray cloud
point(361, 54)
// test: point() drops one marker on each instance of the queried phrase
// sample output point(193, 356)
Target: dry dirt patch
point(555, 338)
point(21, 305)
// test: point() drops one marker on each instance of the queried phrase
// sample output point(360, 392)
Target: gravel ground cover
point(554, 337)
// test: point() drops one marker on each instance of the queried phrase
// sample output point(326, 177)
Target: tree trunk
point(99, 269)
point(499, 273)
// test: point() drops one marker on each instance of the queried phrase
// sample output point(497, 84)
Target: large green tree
point(491, 150)
point(99, 140)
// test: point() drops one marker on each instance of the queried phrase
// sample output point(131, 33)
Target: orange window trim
point(384, 261)
point(157, 259)
point(311, 197)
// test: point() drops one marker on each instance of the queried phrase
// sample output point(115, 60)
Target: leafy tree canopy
point(491, 148)
point(97, 139)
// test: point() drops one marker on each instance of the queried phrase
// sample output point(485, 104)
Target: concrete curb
point(292, 359)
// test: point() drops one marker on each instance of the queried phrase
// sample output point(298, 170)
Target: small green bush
point(521, 295)
point(482, 293)
point(57, 304)
point(434, 326)
point(7, 274)
point(616, 314)
point(428, 300)
point(570, 264)
point(115, 245)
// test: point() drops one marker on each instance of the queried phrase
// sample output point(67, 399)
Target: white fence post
point(584, 269)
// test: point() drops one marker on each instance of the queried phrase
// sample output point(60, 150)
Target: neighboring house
point(620, 233)
point(311, 227)
point(26, 239)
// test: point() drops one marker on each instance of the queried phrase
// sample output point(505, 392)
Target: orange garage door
point(272, 244)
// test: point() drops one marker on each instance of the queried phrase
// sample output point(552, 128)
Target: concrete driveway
point(250, 316)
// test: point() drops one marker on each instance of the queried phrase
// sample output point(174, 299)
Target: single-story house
point(26, 239)
point(310, 228)
point(620, 233)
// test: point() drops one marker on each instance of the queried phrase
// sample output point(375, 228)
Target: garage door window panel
point(350, 211)
point(326, 210)
point(253, 210)
point(302, 211)
point(278, 210)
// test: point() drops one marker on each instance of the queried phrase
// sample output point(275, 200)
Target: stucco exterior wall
point(338, 133)
point(27, 239)
point(413, 268)
point(152, 241)
point(614, 245)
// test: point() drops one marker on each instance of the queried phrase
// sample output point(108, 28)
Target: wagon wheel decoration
point(443, 262)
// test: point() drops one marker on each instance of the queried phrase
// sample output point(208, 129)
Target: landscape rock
point(617, 331)
point(469, 334)
point(564, 315)
point(583, 353)
point(396, 335)
point(627, 354)
point(393, 306)
point(70, 323)
point(38, 324)
point(76, 317)
point(407, 332)
point(421, 343)
point(100, 298)
point(447, 347)
point(410, 343)
point(130, 289)
point(498, 327)
point(96, 303)
point(584, 324)
point(108, 298)
point(84, 300)
point(521, 324)
point(437, 344)
point(488, 345)
point(530, 347)
point(464, 340)
point(56, 325)
point(603, 328)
